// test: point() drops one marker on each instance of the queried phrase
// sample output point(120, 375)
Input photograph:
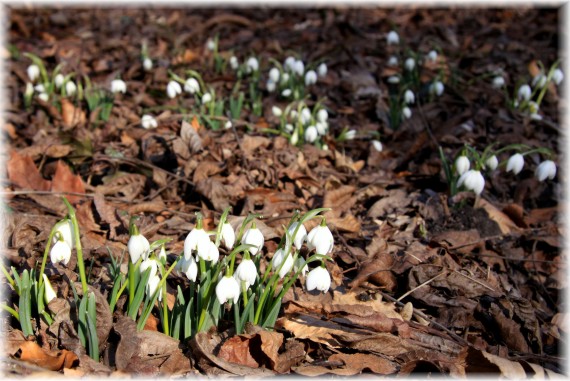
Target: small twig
point(475, 280)
point(347, 246)
point(421, 285)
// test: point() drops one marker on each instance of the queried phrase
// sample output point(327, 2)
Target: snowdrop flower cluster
point(292, 75)
point(303, 123)
point(472, 180)
point(118, 86)
point(148, 121)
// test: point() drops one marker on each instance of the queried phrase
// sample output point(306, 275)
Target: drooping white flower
point(228, 124)
point(147, 64)
point(138, 247)
point(310, 78)
point(234, 63)
point(305, 115)
point(301, 235)
point(43, 96)
point(252, 65)
point(285, 77)
point(253, 236)
point(299, 68)
point(515, 163)
point(271, 86)
point(49, 293)
point(392, 38)
point(227, 289)
point(462, 164)
point(60, 252)
point(432, 56)
point(294, 115)
point(289, 127)
point(206, 98)
point(318, 278)
point(191, 85)
point(286, 93)
point(311, 134)
point(557, 76)
point(70, 88)
point(276, 111)
point(289, 63)
point(29, 90)
point(189, 267)
point(539, 81)
point(65, 229)
point(118, 86)
point(210, 45)
point(152, 286)
point(533, 108)
point(472, 180)
point(274, 74)
point(394, 79)
point(322, 70)
point(321, 239)
point(148, 121)
point(377, 145)
point(40, 88)
point(392, 61)
point(524, 93)
point(437, 88)
point(58, 80)
point(300, 263)
point(208, 251)
point(410, 64)
point(498, 82)
point(33, 72)
point(173, 89)
point(322, 128)
point(350, 134)
point(228, 235)
point(246, 272)
point(407, 112)
point(546, 169)
point(409, 97)
point(151, 264)
point(278, 259)
point(492, 163)
point(322, 115)
point(192, 240)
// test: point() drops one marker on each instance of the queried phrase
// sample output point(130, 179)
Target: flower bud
point(498, 82)
point(557, 76)
point(58, 80)
point(392, 38)
point(274, 74)
point(33, 72)
point(299, 68)
point(515, 163)
point(322, 70)
point(49, 293)
point(409, 97)
point(208, 251)
point(310, 78)
point(492, 163)
point(149, 264)
point(301, 235)
point(234, 64)
point(524, 93)
point(252, 65)
point(432, 56)
point(410, 64)
point(392, 61)
point(70, 88)
point(147, 64)
point(152, 287)
point(407, 113)
point(322, 115)
point(286, 93)
point(228, 235)
point(311, 134)
point(436, 88)
point(377, 145)
point(138, 247)
point(462, 164)
point(276, 111)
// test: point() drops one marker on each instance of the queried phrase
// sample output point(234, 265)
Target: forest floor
point(426, 278)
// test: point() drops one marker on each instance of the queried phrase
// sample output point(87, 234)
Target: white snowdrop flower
point(322, 128)
point(437, 88)
point(118, 86)
point(533, 108)
point(321, 239)
point(43, 96)
point(152, 287)
point(351, 134)
point(299, 68)
point(188, 267)
point(162, 254)
point(49, 293)
point(206, 98)
point(524, 92)
point(305, 115)
point(310, 78)
point(462, 164)
point(311, 134)
point(252, 65)
point(228, 235)
point(539, 81)
point(60, 252)
point(409, 97)
point(285, 77)
point(515, 163)
point(325, 147)
point(147, 64)
point(276, 111)
point(148, 121)
point(546, 169)
point(377, 145)
point(289, 63)
point(234, 63)
point(228, 125)
point(535, 116)
point(394, 79)
point(246, 272)
point(393, 38)
point(300, 263)
point(191, 85)
point(253, 236)
point(33, 72)
point(294, 137)
point(322, 115)
point(138, 247)
point(149, 264)
point(318, 278)
point(58, 80)
point(557, 76)
point(301, 234)
point(208, 251)
point(286, 93)
point(472, 180)
point(193, 239)
point(498, 82)
point(407, 112)
point(274, 74)
point(432, 56)
point(278, 259)
point(210, 45)
point(392, 61)
point(29, 89)
point(289, 127)
point(173, 89)
point(227, 289)
point(410, 64)
point(70, 88)
point(322, 70)
point(271, 86)
point(65, 229)
point(41, 88)
point(492, 163)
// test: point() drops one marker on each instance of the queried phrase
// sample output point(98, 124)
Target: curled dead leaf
point(31, 352)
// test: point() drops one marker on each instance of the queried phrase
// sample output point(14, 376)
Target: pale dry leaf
point(191, 137)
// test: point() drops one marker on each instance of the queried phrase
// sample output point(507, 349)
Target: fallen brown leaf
point(31, 352)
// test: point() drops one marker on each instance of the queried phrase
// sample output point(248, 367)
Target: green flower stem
point(131, 271)
point(46, 252)
point(79, 250)
point(12, 311)
point(7, 275)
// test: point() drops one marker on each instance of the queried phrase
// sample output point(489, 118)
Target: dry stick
point(347, 246)
point(421, 285)
point(475, 280)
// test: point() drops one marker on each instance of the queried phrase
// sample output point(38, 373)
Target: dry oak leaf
point(190, 136)
point(71, 115)
point(22, 171)
point(65, 181)
point(31, 352)
point(237, 350)
point(361, 361)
